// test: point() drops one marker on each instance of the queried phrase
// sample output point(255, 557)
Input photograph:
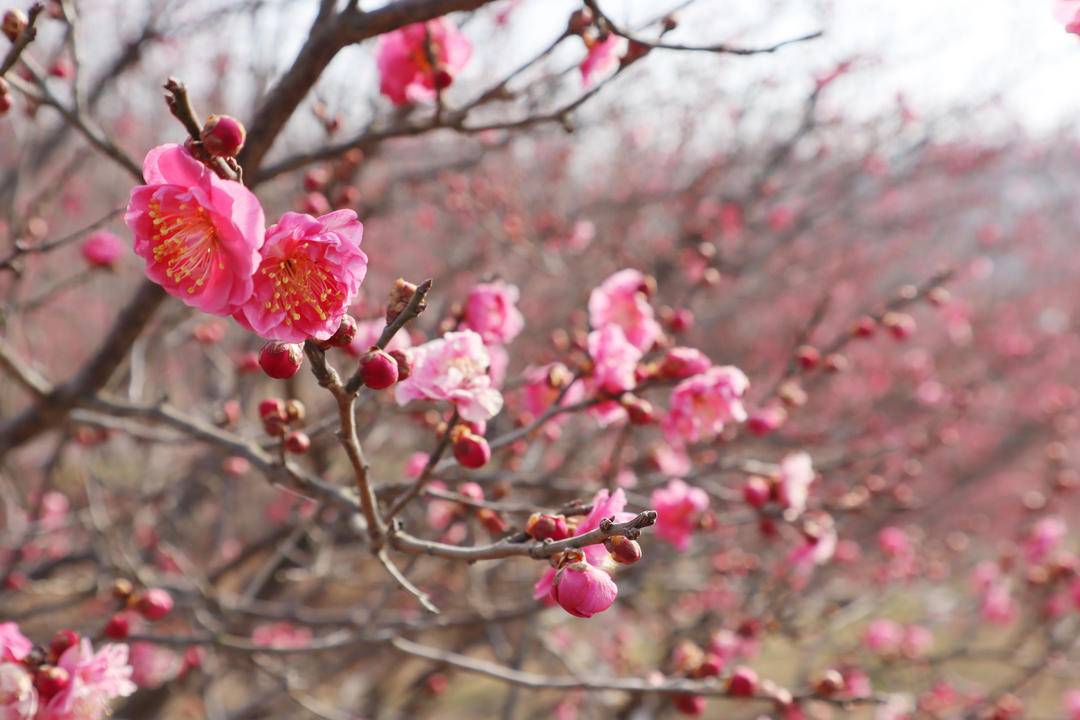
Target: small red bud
point(404, 368)
point(281, 360)
point(808, 357)
point(472, 451)
point(272, 408)
point(14, 23)
point(864, 327)
point(743, 682)
point(154, 604)
point(297, 442)
point(118, 627)
point(623, 550)
point(378, 369)
point(580, 20)
point(61, 641)
point(542, 526)
point(223, 136)
point(756, 491)
point(50, 680)
point(900, 325)
point(443, 79)
point(688, 704)
point(640, 410)
point(61, 68)
point(344, 335)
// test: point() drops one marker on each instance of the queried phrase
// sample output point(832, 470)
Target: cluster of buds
point(692, 662)
point(470, 447)
point(283, 419)
point(48, 677)
point(544, 526)
point(151, 604)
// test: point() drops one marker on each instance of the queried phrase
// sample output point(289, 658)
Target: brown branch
point(25, 38)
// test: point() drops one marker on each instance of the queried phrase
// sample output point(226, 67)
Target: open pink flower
point(310, 271)
point(491, 310)
point(199, 235)
point(453, 368)
point(703, 404)
point(14, 646)
point(102, 249)
point(604, 505)
point(622, 300)
point(603, 56)
point(404, 60)
point(153, 665)
point(96, 680)
point(678, 508)
point(18, 699)
point(614, 359)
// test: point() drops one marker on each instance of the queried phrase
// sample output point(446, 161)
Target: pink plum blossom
point(603, 55)
point(14, 646)
point(793, 488)
point(200, 235)
point(621, 300)
point(404, 58)
point(1044, 537)
point(452, 368)
point(883, 636)
point(18, 699)
point(153, 665)
point(491, 310)
point(310, 271)
point(679, 507)
point(703, 404)
point(102, 249)
point(614, 360)
point(604, 505)
point(97, 678)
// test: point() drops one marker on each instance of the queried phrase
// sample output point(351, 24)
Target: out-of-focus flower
point(491, 310)
point(703, 404)
point(200, 235)
point(14, 646)
point(102, 249)
point(97, 678)
point(614, 359)
point(793, 487)
point(1072, 704)
point(18, 699)
point(603, 55)
point(1044, 537)
point(404, 58)
point(310, 271)
point(678, 507)
point(153, 665)
point(883, 636)
point(622, 300)
point(452, 368)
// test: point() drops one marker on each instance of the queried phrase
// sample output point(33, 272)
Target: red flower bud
point(61, 641)
point(583, 590)
point(281, 360)
point(756, 491)
point(297, 442)
point(154, 604)
point(542, 526)
point(640, 410)
point(743, 682)
point(688, 704)
point(900, 325)
point(118, 627)
point(50, 680)
point(404, 369)
point(808, 357)
point(623, 550)
point(344, 335)
point(378, 369)
point(223, 136)
point(14, 23)
point(767, 419)
point(864, 327)
point(472, 451)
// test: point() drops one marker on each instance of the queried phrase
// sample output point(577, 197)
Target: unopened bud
point(223, 136)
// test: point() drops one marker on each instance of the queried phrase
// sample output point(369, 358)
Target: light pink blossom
point(622, 300)
point(310, 271)
point(96, 680)
point(18, 699)
point(452, 368)
point(404, 58)
point(883, 636)
point(199, 234)
point(14, 646)
point(491, 310)
point(679, 507)
point(796, 476)
point(153, 665)
point(702, 405)
point(614, 360)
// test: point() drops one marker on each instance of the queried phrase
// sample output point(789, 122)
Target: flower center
point(186, 241)
point(298, 282)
